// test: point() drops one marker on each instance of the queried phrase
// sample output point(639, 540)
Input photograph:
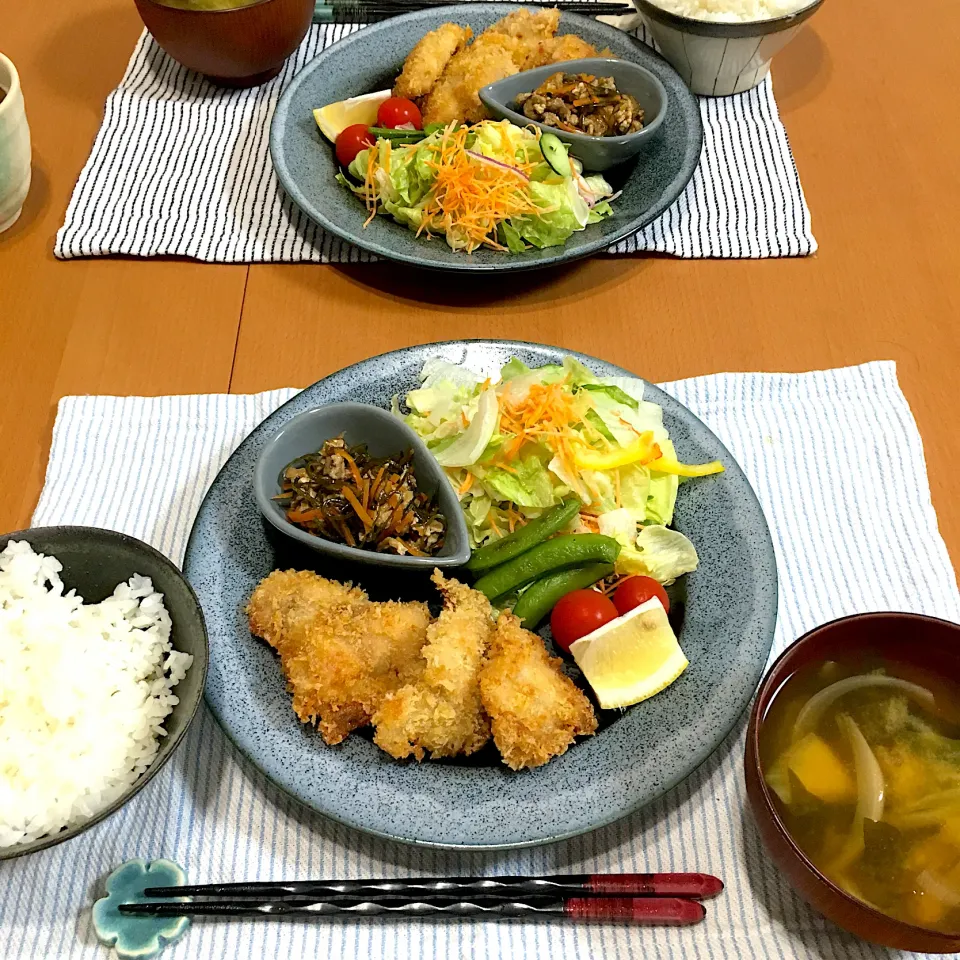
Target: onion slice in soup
point(937, 888)
point(870, 789)
point(814, 709)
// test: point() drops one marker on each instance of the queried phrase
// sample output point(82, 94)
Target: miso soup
point(864, 763)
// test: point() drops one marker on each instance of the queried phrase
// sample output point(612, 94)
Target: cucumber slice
point(555, 153)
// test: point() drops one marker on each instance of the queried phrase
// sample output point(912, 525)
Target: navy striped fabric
point(837, 462)
point(181, 167)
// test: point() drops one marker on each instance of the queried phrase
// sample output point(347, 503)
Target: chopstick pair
point(661, 899)
point(366, 11)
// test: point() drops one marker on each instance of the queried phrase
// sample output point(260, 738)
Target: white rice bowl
point(84, 692)
point(732, 11)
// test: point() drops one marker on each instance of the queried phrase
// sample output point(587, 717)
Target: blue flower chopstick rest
point(138, 938)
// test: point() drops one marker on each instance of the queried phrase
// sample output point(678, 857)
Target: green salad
point(493, 185)
point(515, 448)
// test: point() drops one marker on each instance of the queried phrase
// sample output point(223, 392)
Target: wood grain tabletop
point(868, 104)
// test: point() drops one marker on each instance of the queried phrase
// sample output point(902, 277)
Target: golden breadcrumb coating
point(566, 47)
point(340, 652)
point(528, 27)
point(427, 60)
point(441, 711)
point(535, 710)
point(455, 96)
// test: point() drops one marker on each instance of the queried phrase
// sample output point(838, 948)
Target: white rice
point(732, 11)
point(84, 691)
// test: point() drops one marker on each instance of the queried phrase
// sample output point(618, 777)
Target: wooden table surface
point(869, 106)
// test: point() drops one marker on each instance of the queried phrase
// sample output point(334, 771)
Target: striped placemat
point(181, 167)
point(823, 491)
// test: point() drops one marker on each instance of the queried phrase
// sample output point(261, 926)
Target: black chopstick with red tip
point(652, 899)
point(695, 886)
point(640, 911)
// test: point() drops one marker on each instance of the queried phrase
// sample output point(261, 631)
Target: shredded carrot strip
point(513, 448)
point(493, 522)
point(370, 186)
point(351, 498)
point(357, 478)
point(376, 483)
point(466, 485)
point(515, 518)
point(470, 197)
point(609, 587)
point(589, 521)
point(304, 515)
point(405, 523)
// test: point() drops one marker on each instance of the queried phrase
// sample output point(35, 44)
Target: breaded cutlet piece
point(530, 28)
point(566, 47)
point(340, 652)
point(455, 96)
point(427, 60)
point(535, 710)
point(441, 712)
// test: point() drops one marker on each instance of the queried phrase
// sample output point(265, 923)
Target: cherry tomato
point(579, 613)
point(636, 590)
point(350, 141)
point(397, 111)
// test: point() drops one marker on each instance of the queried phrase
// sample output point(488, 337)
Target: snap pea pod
point(397, 136)
point(524, 539)
point(541, 596)
point(403, 137)
point(569, 550)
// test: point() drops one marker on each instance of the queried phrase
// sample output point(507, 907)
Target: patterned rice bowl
point(716, 59)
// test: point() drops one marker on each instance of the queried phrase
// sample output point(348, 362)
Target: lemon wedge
point(335, 117)
point(631, 658)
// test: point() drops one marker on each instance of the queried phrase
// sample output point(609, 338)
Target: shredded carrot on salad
point(470, 196)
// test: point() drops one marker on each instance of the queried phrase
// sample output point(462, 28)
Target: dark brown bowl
point(926, 642)
point(238, 47)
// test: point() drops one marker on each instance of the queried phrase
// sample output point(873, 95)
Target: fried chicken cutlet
point(536, 43)
point(529, 28)
point(500, 51)
point(455, 96)
point(340, 652)
point(568, 46)
point(427, 60)
point(519, 41)
point(441, 711)
point(535, 710)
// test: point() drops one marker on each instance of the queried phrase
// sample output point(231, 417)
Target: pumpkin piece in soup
point(821, 771)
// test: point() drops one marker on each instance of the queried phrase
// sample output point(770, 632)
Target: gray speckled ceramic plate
point(728, 617)
point(371, 59)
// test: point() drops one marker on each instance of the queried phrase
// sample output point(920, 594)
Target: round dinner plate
point(727, 628)
point(372, 58)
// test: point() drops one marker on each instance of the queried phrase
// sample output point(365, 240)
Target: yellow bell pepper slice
point(668, 465)
point(642, 450)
